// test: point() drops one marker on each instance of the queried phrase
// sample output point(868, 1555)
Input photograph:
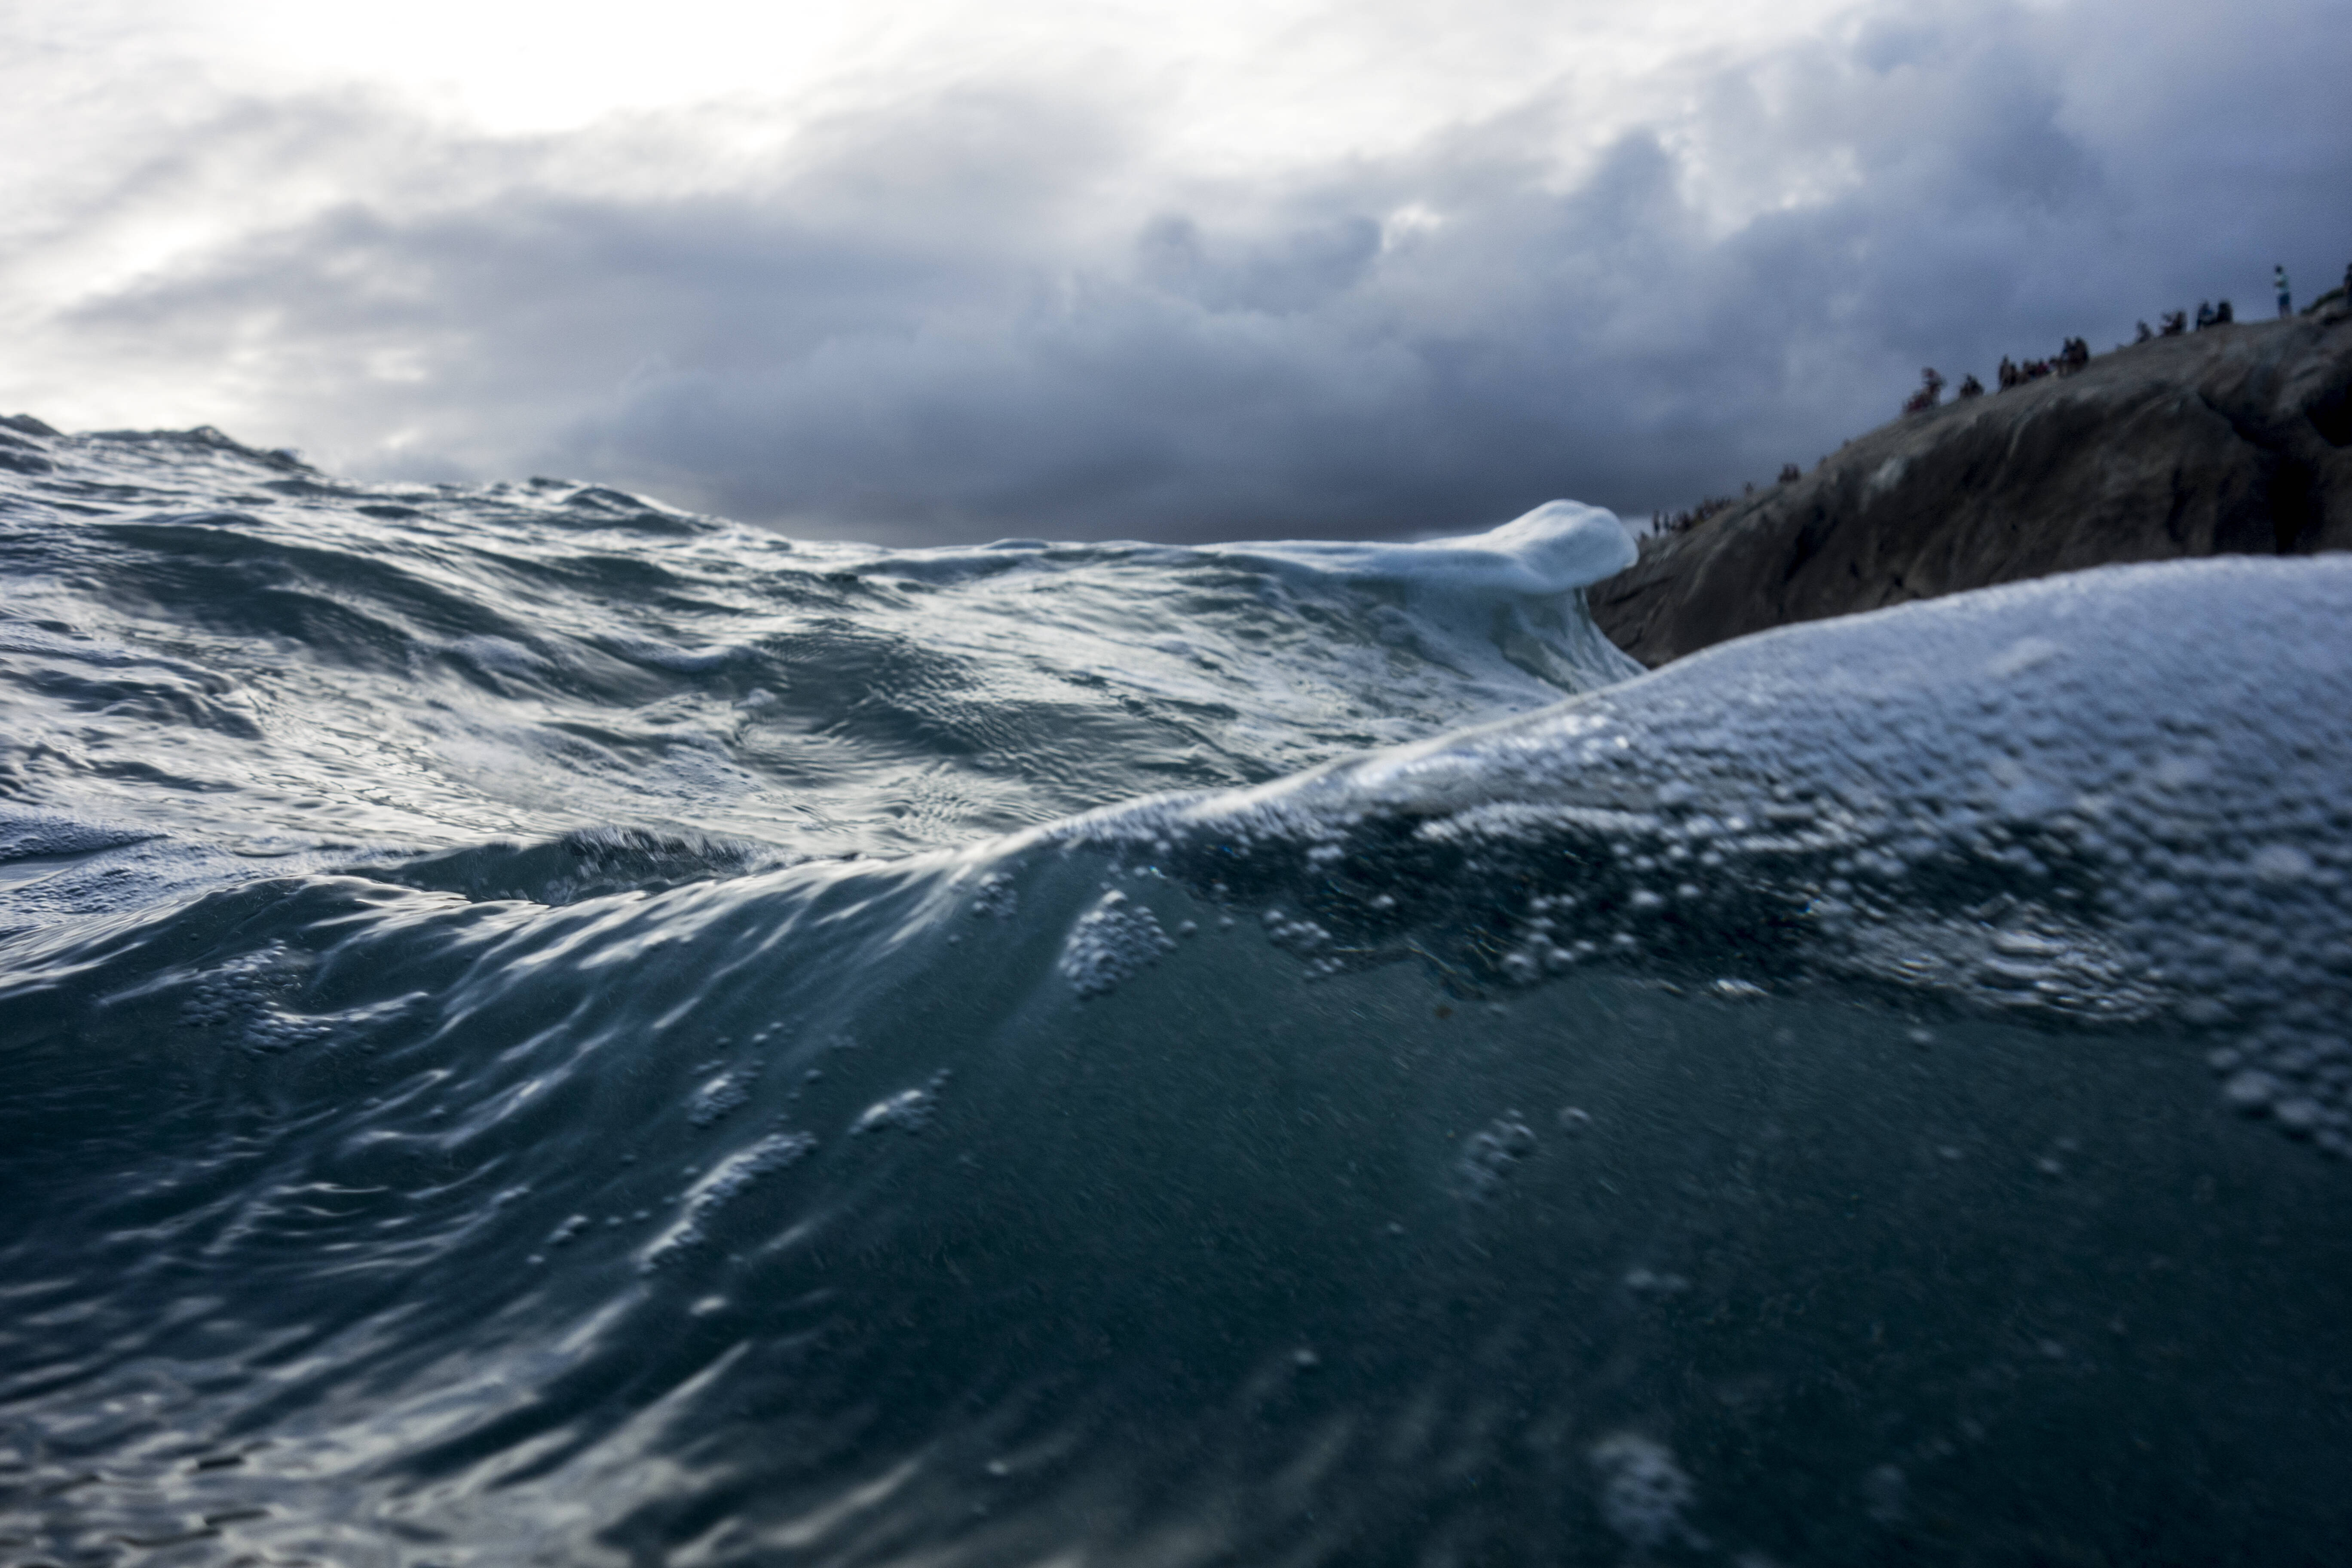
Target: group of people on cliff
point(1675, 522)
point(2072, 355)
point(1930, 394)
point(2172, 323)
point(2077, 353)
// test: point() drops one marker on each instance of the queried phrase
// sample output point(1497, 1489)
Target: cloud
point(998, 311)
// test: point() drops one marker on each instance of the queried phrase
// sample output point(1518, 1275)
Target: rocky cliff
point(2233, 440)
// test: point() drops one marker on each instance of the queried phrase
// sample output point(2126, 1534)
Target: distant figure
point(1930, 392)
point(1970, 386)
point(2286, 295)
point(2172, 323)
point(2144, 333)
point(2072, 355)
point(1682, 521)
point(1790, 473)
point(2204, 314)
point(2222, 314)
point(2008, 376)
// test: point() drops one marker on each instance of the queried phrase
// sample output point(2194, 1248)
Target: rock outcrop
point(2233, 440)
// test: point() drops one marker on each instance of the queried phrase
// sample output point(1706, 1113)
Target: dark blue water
point(542, 1029)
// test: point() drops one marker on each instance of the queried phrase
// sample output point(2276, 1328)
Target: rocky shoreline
point(2235, 440)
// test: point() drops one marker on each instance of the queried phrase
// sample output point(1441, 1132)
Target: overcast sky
point(933, 272)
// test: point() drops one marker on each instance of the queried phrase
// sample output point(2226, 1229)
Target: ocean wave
point(1873, 1090)
point(431, 664)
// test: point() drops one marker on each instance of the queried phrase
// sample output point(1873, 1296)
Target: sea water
point(541, 1029)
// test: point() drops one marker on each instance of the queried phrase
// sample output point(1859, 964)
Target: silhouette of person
point(2287, 296)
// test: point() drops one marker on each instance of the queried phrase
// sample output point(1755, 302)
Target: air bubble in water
point(1643, 1492)
point(2251, 1091)
point(1489, 1154)
point(1110, 943)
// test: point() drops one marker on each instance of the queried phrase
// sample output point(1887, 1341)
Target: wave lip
point(1516, 589)
point(1557, 547)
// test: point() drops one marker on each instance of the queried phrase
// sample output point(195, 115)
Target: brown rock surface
point(2233, 440)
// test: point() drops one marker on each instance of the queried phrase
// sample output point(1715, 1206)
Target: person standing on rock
point(2286, 297)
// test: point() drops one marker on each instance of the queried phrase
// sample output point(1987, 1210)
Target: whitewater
point(543, 1029)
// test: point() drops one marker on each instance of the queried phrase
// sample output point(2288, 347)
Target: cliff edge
point(2232, 440)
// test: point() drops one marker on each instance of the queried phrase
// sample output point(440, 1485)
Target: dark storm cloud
point(959, 320)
